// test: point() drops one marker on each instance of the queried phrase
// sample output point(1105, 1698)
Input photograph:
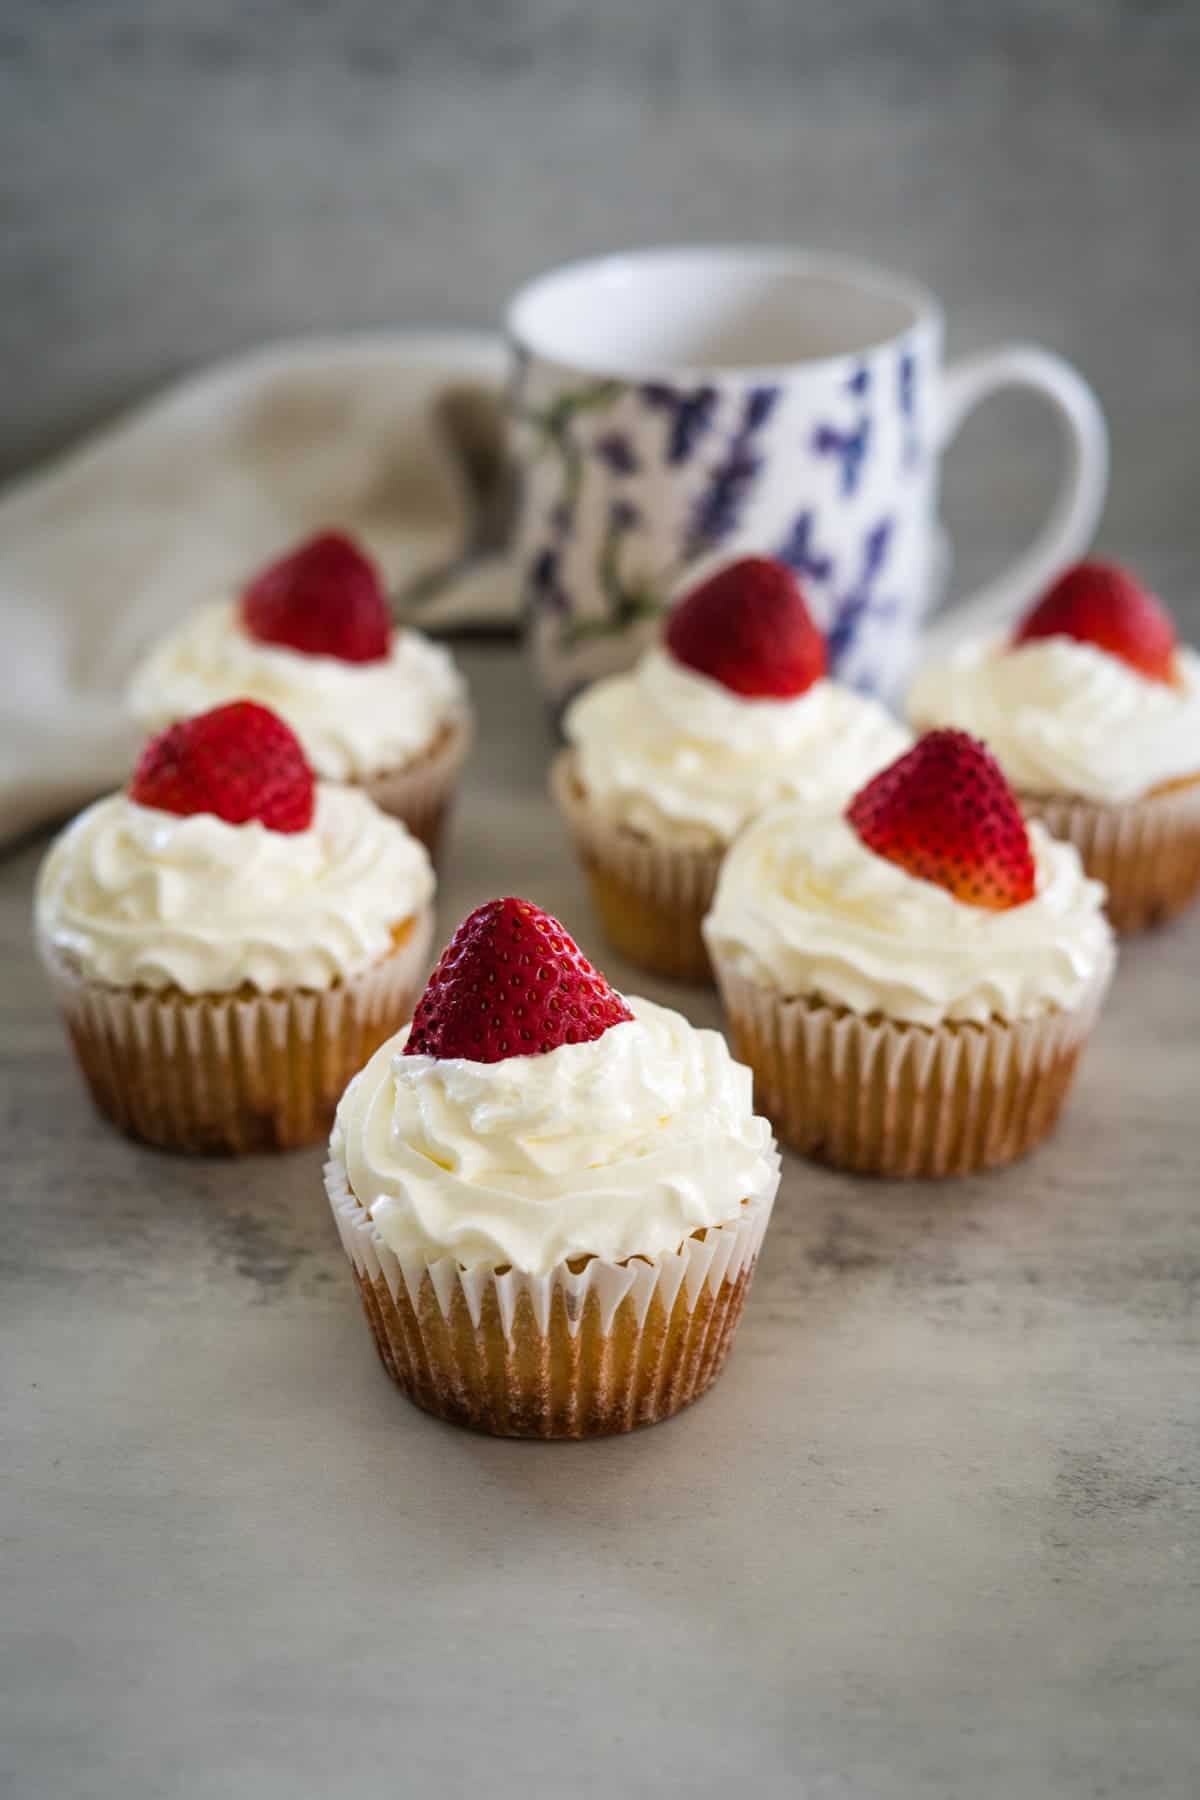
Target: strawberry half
point(1102, 604)
point(239, 761)
point(944, 812)
point(324, 599)
point(511, 982)
point(748, 627)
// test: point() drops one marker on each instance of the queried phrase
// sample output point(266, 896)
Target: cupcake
point(912, 978)
point(1093, 712)
point(230, 940)
point(730, 715)
point(552, 1197)
point(377, 706)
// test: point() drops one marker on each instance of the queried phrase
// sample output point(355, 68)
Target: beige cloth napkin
point(116, 541)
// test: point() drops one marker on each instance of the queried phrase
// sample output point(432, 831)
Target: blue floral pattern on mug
point(906, 395)
point(719, 509)
point(689, 413)
point(635, 489)
point(798, 549)
point(615, 449)
point(848, 448)
point(859, 603)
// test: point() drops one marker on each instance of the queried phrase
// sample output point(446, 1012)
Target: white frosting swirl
point(354, 720)
point(620, 1147)
point(1063, 717)
point(137, 897)
point(672, 754)
point(804, 907)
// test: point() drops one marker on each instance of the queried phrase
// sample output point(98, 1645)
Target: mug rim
point(922, 303)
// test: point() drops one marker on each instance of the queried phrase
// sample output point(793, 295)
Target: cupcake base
point(651, 898)
point(422, 793)
point(1147, 853)
point(590, 1349)
point(880, 1097)
point(230, 1073)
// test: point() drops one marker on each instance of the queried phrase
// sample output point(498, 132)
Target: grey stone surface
point(186, 178)
point(933, 1536)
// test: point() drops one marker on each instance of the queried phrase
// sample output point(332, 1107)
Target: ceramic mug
point(675, 408)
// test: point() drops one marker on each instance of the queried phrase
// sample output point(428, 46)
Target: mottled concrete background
point(184, 178)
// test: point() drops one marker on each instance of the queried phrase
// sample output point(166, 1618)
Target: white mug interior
point(723, 310)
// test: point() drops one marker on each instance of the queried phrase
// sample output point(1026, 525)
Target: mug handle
point(1077, 505)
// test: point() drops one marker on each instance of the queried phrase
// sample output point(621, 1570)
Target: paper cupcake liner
point(1146, 853)
point(651, 898)
point(422, 793)
point(884, 1098)
point(229, 1073)
point(591, 1348)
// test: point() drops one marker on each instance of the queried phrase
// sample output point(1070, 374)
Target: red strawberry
point(944, 812)
point(325, 599)
point(511, 982)
point(749, 628)
point(1101, 603)
point(238, 761)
